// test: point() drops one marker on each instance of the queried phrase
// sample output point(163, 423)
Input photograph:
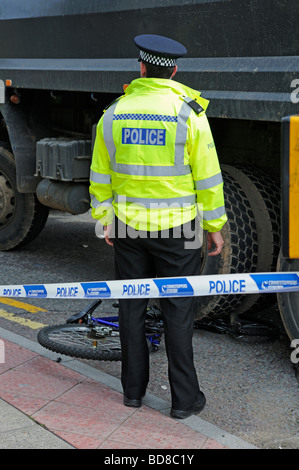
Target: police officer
point(155, 167)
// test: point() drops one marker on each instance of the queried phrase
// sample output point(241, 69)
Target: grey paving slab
point(18, 431)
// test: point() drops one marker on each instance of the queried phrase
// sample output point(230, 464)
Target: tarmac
point(49, 401)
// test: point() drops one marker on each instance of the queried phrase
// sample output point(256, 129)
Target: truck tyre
point(251, 240)
point(239, 254)
point(288, 302)
point(22, 217)
point(263, 196)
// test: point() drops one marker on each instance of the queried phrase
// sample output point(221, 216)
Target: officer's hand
point(215, 238)
point(107, 233)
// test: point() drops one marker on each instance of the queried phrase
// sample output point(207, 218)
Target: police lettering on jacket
point(143, 136)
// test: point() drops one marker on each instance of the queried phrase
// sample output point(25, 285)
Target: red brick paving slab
point(89, 413)
point(211, 444)
point(29, 384)
point(39, 377)
point(45, 369)
point(28, 404)
point(85, 413)
point(149, 427)
point(107, 444)
point(80, 420)
point(94, 395)
point(14, 356)
point(79, 441)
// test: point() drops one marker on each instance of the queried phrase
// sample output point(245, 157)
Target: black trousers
point(148, 257)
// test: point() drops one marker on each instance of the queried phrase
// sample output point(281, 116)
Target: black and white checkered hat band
point(156, 60)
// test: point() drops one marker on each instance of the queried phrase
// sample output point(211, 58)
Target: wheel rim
point(7, 201)
point(85, 338)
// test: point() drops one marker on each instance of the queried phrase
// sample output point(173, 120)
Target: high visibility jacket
point(154, 161)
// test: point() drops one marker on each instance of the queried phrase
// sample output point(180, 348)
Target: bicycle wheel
point(82, 341)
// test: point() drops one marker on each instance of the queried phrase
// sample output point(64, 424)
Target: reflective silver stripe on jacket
point(159, 203)
point(177, 169)
point(214, 214)
point(95, 203)
point(181, 133)
point(208, 183)
point(100, 178)
point(108, 134)
point(148, 170)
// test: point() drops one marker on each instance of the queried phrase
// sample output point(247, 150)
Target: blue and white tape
point(160, 287)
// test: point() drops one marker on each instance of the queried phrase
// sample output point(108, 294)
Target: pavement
point(49, 401)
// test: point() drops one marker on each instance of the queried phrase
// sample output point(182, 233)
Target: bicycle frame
point(154, 325)
point(153, 337)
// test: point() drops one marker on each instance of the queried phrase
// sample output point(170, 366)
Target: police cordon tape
point(161, 287)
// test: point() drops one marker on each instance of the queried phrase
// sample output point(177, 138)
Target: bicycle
point(88, 337)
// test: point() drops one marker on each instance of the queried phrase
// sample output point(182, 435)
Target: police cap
point(159, 50)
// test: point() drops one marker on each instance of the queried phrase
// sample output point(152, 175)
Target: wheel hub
point(7, 201)
point(102, 331)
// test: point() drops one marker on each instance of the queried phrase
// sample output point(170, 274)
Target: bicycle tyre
point(79, 341)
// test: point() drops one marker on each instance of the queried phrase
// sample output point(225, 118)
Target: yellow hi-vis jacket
point(154, 162)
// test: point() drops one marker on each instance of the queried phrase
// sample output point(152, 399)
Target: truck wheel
point(288, 302)
point(263, 196)
point(22, 217)
point(239, 254)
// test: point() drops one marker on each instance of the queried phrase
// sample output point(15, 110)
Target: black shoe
point(134, 403)
point(197, 408)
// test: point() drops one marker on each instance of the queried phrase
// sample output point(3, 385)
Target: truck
point(63, 61)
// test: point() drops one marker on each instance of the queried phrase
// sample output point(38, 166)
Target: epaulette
point(193, 104)
point(112, 102)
